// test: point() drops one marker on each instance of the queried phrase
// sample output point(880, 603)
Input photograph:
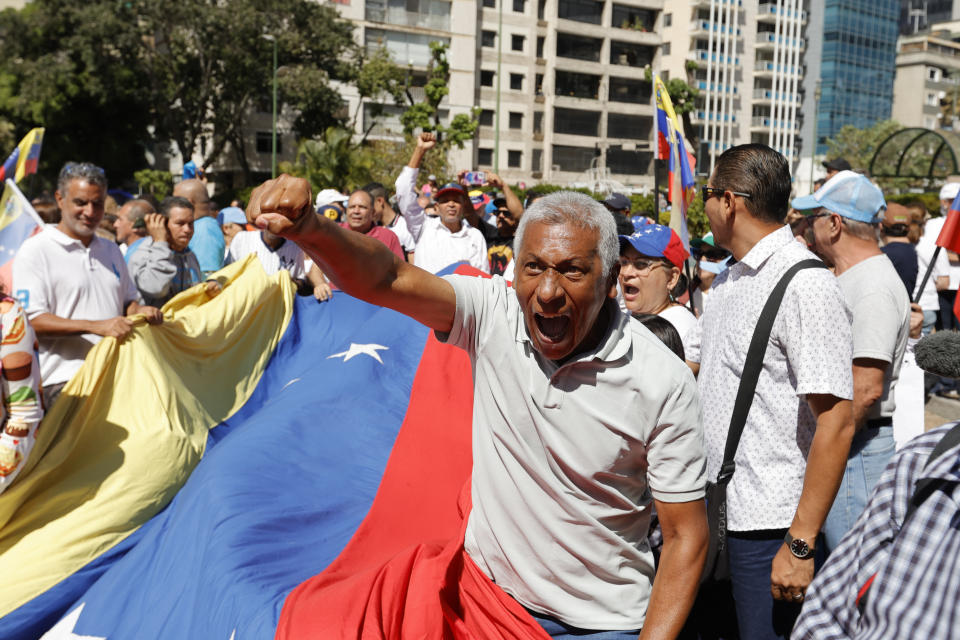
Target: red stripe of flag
point(949, 237)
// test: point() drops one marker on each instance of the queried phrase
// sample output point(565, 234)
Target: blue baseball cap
point(847, 194)
point(657, 241)
point(233, 215)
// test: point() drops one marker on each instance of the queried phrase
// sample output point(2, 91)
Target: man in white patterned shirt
point(794, 445)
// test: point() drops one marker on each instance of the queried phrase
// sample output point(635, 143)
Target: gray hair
point(570, 207)
point(863, 230)
point(81, 171)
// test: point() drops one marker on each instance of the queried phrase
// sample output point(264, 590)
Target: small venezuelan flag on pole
point(23, 161)
point(671, 147)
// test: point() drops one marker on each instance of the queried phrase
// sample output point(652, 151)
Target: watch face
point(800, 548)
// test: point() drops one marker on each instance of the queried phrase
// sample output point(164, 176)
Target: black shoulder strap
point(926, 486)
point(753, 365)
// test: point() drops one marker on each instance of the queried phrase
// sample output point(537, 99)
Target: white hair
point(570, 207)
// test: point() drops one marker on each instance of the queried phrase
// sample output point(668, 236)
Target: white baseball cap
point(329, 196)
point(949, 191)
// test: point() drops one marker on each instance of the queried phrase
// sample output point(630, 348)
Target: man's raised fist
point(279, 205)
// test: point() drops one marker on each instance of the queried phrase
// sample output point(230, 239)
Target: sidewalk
point(939, 411)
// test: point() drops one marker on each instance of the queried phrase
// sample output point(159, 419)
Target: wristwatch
point(799, 547)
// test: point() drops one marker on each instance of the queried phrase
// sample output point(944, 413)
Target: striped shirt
point(917, 563)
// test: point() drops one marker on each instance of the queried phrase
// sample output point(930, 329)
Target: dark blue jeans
point(759, 616)
point(557, 629)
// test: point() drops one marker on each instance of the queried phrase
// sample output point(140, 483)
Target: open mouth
point(553, 328)
point(630, 290)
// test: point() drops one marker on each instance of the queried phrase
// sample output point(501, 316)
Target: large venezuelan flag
point(325, 506)
point(672, 148)
point(18, 221)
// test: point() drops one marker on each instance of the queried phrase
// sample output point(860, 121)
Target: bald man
point(208, 242)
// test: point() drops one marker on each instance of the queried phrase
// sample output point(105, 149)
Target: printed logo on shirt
point(23, 297)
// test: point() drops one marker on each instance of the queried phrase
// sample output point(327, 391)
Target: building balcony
point(768, 95)
point(716, 87)
point(766, 122)
point(703, 116)
point(401, 17)
point(703, 27)
point(767, 40)
point(767, 12)
point(702, 55)
point(767, 68)
point(705, 4)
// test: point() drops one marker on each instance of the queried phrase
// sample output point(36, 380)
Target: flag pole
point(656, 154)
point(926, 276)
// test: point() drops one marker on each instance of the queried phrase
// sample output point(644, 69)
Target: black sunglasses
point(708, 192)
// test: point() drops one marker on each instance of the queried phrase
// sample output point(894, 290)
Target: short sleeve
point(694, 339)
point(130, 293)
point(474, 296)
point(676, 462)
point(876, 324)
point(816, 334)
point(30, 284)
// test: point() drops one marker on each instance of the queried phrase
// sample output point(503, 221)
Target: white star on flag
point(63, 630)
point(357, 349)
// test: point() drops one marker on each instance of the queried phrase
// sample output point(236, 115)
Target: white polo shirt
point(289, 256)
point(566, 459)
point(53, 273)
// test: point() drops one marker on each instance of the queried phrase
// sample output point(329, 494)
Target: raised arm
point(357, 264)
point(406, 186)
point(513, 202)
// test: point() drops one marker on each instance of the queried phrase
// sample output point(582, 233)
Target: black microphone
point(939, 353)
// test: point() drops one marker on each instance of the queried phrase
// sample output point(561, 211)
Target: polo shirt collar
point(769, 245)
point(615, 344)
point(63, 239)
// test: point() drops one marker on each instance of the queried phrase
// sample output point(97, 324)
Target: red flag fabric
point(949, 237)
point(405, 573)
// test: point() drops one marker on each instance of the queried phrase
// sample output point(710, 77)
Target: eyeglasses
point(641, 265)
point(503, 212)
point(708, 192)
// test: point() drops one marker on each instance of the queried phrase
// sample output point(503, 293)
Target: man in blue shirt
point(208, 243)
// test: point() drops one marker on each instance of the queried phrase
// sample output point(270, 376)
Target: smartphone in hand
point(476, 178)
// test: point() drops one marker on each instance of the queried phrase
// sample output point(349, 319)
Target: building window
point(667, 19)
point(578, 122)
point(516, 81)
point(514, 159)
point(408, 47)
point(485, 157)
point(265, 142)
point(629, 90)
point(577, 85)
point(488, 38)
point(933, 100)
point(516, 120)
point(628, 127)
point(538, 121)
point(486, 78)
point(574, 159)
point(933, 74)
point(665, 48)
point(627, 17)
point(541, 9)
point(432, 14)
point(537, 160)
point(516, 42)
point(486, 118)
point(519, 6)
point(490, 4)
point(630, 54)
point(635, 163)
point(538, 85)
point(540, 41)
point(578, 47)
point(589, 11)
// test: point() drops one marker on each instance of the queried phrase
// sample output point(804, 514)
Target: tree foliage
point(111, 79)
point(157, 183)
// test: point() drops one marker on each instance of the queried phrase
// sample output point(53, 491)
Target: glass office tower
point(858, 64)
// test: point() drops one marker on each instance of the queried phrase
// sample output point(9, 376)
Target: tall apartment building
point(747, 60)
point(927, 87)
point(574, 104)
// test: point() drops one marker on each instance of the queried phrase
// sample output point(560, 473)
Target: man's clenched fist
point(280, 205)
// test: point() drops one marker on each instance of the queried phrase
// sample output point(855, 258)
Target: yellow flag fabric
point(29, 153)
point(130, 427)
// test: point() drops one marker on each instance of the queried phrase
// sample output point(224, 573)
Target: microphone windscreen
point(939, 353)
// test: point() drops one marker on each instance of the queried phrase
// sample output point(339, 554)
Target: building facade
point(747, 60)
point(857, 65)
point(560, 86)
point(927, 86)
point(919, 15)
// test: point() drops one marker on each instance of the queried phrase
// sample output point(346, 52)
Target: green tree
point(157, 183)
point(335, 161)
point(425, 115)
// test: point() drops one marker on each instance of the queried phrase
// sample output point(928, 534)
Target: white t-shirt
point(399, 227)
point(289, 256)
point(928, 299)
point(681, 319)
point(931, 231)
point(53, 273)
point(566, 459)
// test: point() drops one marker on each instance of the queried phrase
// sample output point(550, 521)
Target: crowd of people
point(606, 369)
